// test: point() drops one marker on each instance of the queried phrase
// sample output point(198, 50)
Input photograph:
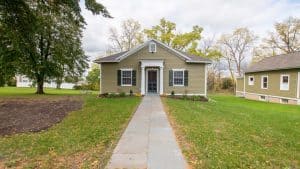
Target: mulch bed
point(192, 98)
point(32, 115)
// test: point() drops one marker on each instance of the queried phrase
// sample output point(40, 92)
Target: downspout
point(298, 89)
point(244, 84)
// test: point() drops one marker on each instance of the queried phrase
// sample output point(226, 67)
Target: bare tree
point(234, 48)
point(287, 35)
point(130, 36)
point(285, 39)
point(209, 49)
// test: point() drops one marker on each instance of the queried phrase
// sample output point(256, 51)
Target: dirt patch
point(32, 115)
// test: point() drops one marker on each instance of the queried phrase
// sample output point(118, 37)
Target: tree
point(285, 39)
point(234, 48)
point(46, 37)
point(131, 35)
point(93, 77)
point(165, 32)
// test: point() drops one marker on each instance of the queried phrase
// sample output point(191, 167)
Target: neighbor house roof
point(122, 55)
point(284, 61)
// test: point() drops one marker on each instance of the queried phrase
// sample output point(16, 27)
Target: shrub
point(227, 83)
point(103, 95)
point(77, 87)
point(172, 93)
point(112, 95)
point(131, 92)
point(122, 94)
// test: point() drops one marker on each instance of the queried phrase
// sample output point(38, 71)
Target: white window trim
point(262, 82)
point(182, 77)
point(281, 82)
point(251, 84)
point(150, 44)
point(122, 77)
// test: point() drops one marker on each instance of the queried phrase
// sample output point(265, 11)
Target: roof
point(122, 55)
point(278, 62)
point(110, 58)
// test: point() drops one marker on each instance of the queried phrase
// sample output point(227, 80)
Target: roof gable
point(122, 55)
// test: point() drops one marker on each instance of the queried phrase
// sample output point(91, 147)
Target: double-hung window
point(126, 77)
point(284, 82)
point(178, 77)
point(264, 82)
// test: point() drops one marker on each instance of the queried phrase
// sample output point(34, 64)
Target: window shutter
point(134, 78)
point(186, 78)
point(170, 77)
point(119, 77)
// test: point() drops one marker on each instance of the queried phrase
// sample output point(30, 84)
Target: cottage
point(153, 67)
point(273, 79)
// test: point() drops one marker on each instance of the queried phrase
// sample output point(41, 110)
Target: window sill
point(178, 85)
point(126, 85)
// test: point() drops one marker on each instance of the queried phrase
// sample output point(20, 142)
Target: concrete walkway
point(148, 141)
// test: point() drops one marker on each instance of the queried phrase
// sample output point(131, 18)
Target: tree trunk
point(58, 83)
point(40, 86)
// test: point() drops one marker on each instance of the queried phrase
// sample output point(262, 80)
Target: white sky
point(215, 16)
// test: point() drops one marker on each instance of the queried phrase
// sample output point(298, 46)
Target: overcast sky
point(215, 16)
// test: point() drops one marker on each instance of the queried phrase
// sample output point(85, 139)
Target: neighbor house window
point(262, 98)
point(264, 82)
point(251, 80)
point(178, 77)
point(284, 101)
point(284, 82)
point(152, 47)
point(126, 77)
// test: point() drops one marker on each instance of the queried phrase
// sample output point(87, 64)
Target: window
point(152, 47)
point(263, 98)
point(285, 101)
point(284, 82)
point(178, 77)
point(264, 82)
point(126, 77)
point(251, 80)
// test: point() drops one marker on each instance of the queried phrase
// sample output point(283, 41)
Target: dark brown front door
point(152, 81)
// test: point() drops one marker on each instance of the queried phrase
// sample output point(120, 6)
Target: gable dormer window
point(152, 47)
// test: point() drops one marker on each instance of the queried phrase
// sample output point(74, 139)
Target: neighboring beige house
point(153, 67)
point(273, 79)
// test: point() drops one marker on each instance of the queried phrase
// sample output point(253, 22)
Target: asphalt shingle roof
point(284, 61)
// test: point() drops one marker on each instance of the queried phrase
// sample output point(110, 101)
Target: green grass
point(29, 91)
point(231, 132)
point(84, 138)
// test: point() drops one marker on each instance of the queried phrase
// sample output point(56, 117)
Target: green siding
point(196, 79)
point(273, 83)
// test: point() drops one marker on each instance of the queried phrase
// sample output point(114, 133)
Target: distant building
point(23, 81)
point(273, 79)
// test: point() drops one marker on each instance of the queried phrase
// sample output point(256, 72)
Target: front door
point(152, 81)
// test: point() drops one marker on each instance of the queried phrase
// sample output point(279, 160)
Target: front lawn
point(230, 132)
point(84, 139)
